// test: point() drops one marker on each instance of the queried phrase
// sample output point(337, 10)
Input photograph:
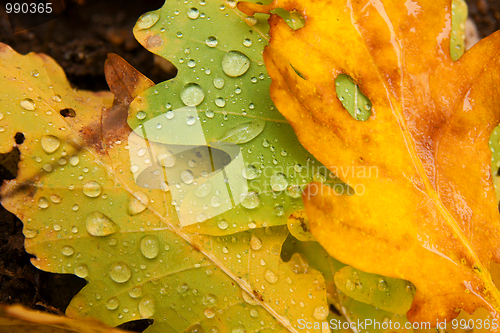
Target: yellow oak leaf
point(424, 208)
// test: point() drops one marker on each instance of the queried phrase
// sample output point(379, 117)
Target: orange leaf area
point(424, 208)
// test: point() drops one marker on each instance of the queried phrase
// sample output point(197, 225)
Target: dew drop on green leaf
point(137, 203)
point(98, 224)
point(183, 288)
point(270, 276)
point(251, 200)
point(150, 246)
point(68, 250)
point(219, 82)
point(147, 306)
point(255, 243)
point(112, 303)
point(43, 202)
point(50, 143)
point(92, 189)
point(278, 182)
point(382, 285)
point(147, 20)
point(209, 299)
point(223, 224)
point(235, 63)
point(135, 292)
point(209, 312)
point(192, 94)
point(211, 41)
point(187, 176)
point(244, 132)
point(193, 13)
point(81, 271)
point(120, 272)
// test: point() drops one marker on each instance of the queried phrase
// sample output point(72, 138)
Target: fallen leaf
point(424, 208)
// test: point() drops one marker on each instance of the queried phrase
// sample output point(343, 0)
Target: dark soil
point(79, 41)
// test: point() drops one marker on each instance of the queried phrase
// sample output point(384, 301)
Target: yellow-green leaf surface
point(84, 214)
point(219, 100)
point(18, 319)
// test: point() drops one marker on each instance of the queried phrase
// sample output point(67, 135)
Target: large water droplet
point(68, 250)
point(223, 224)
point(278, 182)
point(294, 191)
point(138, 203)
point(147, 20)
point(120, 272)
point(209, 299)
point(50, 143)
point(219, 82)
point(187, 176)
point(270, 276)
point(98, 224)
point(43, 202)
point(81, 271)
point(251, 172)
point(92, 189)
point(211, 41)
point(150, 246)
point(192, 94)
point(255, 243)
point(321, 312)
point(147, 306)
point(193, 13)
point(30, 233)
point(382, 285)
point(167, 159)
point(251, 200)
point(27, 104)
point(112, 303)
point(235, 63)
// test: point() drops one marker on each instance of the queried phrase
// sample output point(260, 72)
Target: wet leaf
point(85, 214)
point(424, 208)
point(18, 319)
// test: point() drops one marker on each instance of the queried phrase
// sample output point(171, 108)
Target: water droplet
point(223, 224)
point(57, 98)
point(321, 312)
point(220, 102)
point(141, 115)
point(196, 328)
point(187, 176)
point(192, 94)
point(265, 143)
point(50, 143)
point(349, 285)
point(27, 104)
point(98, 224)
point(382, 285)
point(30, 233)
point(251, 172)
point(43, 202)
point(247, 42)
point(167, 159)
point(294, 191)
point(193, 13)
point(278, 210)
point(92, 189)
point(120, 272)
point(238, 329)
point(251, 200)
point(135, 292)
point(190, 120)
point(191, 63)
point(219, 82)
point(209, 313)
point(298, 263)
point(255, 243)
point(209, 113)
point(211, 41)
point(183, 288)
point(150, 246)
point(74, 160)
point(270, 276)
point(81, 271)
point(209, 299)
point(203, 190)
point(235, 63)
point(147, 306)
point(147, 20)
point(138, 203)
point(35, 73)
point(112, 303)
point(68, 250)
point(237, 90)
point(278, 182)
